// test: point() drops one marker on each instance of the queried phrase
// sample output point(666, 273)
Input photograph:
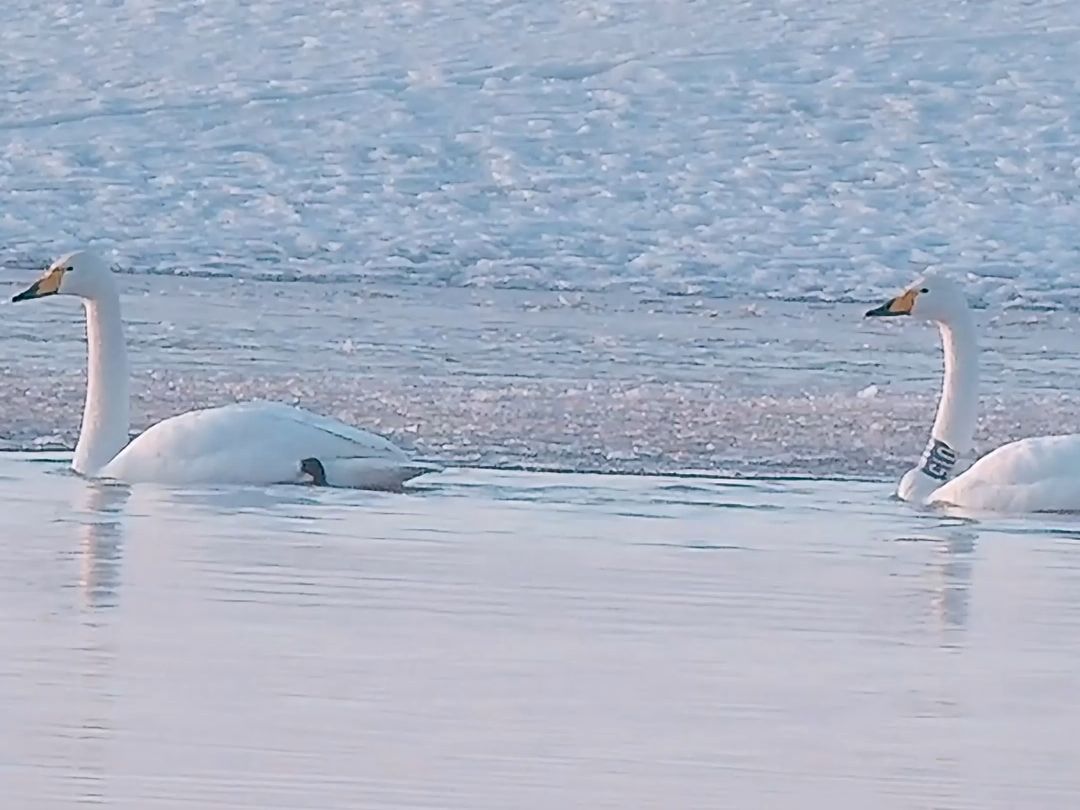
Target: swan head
point(82, 273)
point(934, 297)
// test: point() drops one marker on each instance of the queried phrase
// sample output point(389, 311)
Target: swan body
point(1037, 474)
point(258, 442)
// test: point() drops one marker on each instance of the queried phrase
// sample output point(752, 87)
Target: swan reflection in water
point(101, 528)
point(954, 565)
point(99, 515)
point(945, 575)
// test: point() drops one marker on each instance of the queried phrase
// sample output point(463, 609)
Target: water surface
point(500, 639)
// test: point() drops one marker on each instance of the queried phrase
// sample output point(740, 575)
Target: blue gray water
point(497, 639)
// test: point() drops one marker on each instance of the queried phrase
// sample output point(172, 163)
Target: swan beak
point(901, 305)
point(48, 284)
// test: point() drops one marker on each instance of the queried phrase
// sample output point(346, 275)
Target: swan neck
point(104, 431)
point(959, 406)
point(954, 426)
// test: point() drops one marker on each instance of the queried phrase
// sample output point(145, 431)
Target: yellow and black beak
point(901, 305)
point(48, 284)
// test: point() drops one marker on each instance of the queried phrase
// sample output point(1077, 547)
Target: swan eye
point(68, 269)
point(924, 290)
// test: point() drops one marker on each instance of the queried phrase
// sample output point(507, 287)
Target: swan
point(1037, 474)
point(256, 442)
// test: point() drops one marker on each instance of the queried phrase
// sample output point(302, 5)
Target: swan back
point(248, 442)
point(1038, 474)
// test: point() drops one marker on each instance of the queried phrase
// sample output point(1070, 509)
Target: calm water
point(500, 639)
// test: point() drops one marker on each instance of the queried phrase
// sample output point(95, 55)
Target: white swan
point(246, 443)
point(1039, 474)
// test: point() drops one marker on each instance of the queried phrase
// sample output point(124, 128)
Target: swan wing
point(245, 443)
point(1039, 474)
point(370, 445)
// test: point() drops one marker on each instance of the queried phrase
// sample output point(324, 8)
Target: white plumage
point(1040, 474)
point(245, 443)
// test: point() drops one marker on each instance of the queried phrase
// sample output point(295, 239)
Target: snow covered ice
point(783, 149)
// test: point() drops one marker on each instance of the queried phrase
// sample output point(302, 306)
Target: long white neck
point(954, 428)
point(104, 431)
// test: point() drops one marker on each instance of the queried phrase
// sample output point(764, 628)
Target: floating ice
point(869, 392)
